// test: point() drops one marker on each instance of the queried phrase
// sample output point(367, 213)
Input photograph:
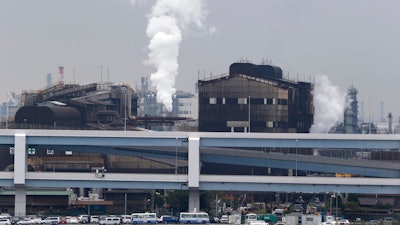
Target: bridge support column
point(194, 200)
point(20, 168)
point(20, 201)
point(194, 173)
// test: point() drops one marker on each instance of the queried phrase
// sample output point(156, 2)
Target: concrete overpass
point(204, 147)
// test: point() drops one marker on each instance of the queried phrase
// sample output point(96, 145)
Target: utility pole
point(249, 112)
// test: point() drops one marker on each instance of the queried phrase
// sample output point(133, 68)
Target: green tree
point(205, 200)
point(178, 201)
point(353, 198)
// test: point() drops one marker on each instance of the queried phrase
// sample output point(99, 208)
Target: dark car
point(169, 219)
point(214, 220)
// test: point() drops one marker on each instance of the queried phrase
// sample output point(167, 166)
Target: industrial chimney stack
point(390, 117)
point(61, 73)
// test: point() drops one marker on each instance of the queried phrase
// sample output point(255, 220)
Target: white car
point(5, 221)
point(72, 220)
point(26, 221)
point(126, 218)
point(94, 219)
point(110, 221)
point(257, 222)
point(224, 219)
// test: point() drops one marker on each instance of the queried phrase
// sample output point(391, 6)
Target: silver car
point(26, 221)
point(54, 220)
point(5, 221)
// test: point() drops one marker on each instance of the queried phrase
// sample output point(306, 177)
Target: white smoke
point(329, 105)
point(166, 21)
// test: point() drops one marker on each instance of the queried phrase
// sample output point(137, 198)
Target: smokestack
point(49, 80)
point(362, 112)
point(382, 114)
point(390, 123)
point(61, 73)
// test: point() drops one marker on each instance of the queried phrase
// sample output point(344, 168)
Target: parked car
point(84, 219)
point(52, 220)
point(257, 222)
point(280, 223)
point(126, 218)
point(5, 221)
point(214, 220)
point(72, 219)
point(94, 219)
point(373, 222)
point(110, 221)
point(168, 219)
point(36, 220)
point(26, 221)
point(224, 219)
point(15, 219)
point(63, 220)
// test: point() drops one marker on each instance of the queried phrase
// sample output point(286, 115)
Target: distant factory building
point(185, 105)
point(255, 98)
point(98, 106)
point(350, 112)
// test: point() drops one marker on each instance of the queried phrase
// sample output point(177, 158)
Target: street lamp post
point(126, 203)
point(296, 156)
point(249, 112)
point(176, 157)
point(336, 196)
point(7, 113)
point(125, 110)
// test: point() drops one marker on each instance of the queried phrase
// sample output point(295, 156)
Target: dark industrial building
point(255, 98)
point(98, 106)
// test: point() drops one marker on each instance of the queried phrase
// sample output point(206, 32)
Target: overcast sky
point(352, 42)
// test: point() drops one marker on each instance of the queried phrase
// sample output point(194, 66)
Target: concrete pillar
point(20, 159)
point(20, 201)
point(194, 163)
point(20, 168)
point(194, 200)
point(81, 192)
point(194, 173)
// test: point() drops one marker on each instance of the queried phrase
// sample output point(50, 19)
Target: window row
point(245, 101)
point(186, 112)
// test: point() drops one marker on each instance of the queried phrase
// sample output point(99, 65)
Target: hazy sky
point(352, 42)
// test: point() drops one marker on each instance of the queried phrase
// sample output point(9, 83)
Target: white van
point(144, 218)
point(110, 221)
point(126, 218)
point(250, 217)
point(94, 219)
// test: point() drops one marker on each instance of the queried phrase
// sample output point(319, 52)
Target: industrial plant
point(250, 98)
point(255, 98)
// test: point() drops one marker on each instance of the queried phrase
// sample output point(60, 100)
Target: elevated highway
point(226, 148)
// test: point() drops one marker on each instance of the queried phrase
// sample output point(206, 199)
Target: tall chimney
point(61, 73)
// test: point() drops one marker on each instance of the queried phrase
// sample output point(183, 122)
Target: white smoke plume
point(166, 21)
point(329, 105)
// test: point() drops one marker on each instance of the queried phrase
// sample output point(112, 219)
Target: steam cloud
point(329, 105)
point(166, 21)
